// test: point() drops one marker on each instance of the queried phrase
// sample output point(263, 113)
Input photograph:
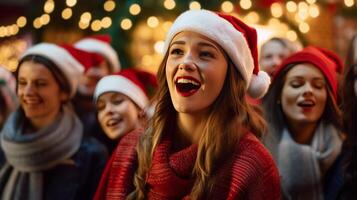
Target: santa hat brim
point(117, 83)
point(65, 62)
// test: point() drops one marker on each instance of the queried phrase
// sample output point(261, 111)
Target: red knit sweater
point(249, 174)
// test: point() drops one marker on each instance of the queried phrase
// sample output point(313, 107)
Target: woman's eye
point(100, 106)
point(41, 84)
point(319, 85)
point(206, 54)
point(176, 52)
point(118, 101)
point(296, 84)
point(22, 83)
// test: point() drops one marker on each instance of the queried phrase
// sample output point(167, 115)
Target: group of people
point(83, 128)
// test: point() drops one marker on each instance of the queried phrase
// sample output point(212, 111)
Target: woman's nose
point(188, 66)
point(307, 89)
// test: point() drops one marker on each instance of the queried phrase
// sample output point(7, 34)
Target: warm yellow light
point(227, 6)
point(159, 45)
point(291, 35)
point(303, 6)
point(126, 24)
point(71, 3)
point(297, 18)
point(169, 4)
point(67, 13)
point(304, 27)
point(147, 60)
point(13, 29)
point(303, 14)
point(252, 18)
point(349, 3)
point(109, 6)
point(49, 6)
point(135, 9)
point(12, 64)
point(273, 22)
point(21, 21)
point(167, 25)
point(37, 23)
point(194, 5)
point(291, 6)
point(311, 1)
point(106, 22)
point(314, 10)
point(245, 4)
point(45, 19)
point(276, 10)
point(153, 22)
point(2, 31)
point(82, 25)
point(96, 25)
point(86, 17)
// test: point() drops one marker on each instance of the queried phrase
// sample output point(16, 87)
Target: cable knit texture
point(249, 173)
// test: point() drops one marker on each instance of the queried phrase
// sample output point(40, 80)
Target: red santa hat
point(326, 61)
point(101, 44)
point(71, 61)
point(136, 84)
point(237, 39)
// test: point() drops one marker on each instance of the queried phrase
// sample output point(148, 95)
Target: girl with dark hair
point(202, 140)
point(349, 107)
point(43, 152)
point(305, 123)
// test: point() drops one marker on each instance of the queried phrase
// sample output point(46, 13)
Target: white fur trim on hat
point(219, 30)
point(259, 85)
point(102, 48)
point(70, 67)
point(118, 83)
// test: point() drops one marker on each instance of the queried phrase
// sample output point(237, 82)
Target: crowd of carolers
point(211, 124)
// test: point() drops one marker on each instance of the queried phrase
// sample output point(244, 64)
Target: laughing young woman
point(305, 123)
point(202, 140)
point(43, 153)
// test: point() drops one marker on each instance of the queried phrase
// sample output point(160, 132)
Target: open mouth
point(306, 104)
point(187, 85)
point(113, 122)
point(32, 102)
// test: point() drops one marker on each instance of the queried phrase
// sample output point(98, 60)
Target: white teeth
point(181, 80)
point(113, 122)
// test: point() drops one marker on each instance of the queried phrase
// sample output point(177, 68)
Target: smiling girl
point(202, 140)
point(122, 99)
point(304, 122)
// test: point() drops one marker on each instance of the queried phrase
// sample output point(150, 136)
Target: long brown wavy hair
point(349, 107)
point(228, 117)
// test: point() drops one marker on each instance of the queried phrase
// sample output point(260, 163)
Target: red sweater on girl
point(250, 173)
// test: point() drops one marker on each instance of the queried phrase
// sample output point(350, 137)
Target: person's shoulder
point(127, 144)
point(92, 147)
point(255, 156)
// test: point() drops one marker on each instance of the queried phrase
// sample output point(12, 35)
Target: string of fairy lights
point(152, 29)
point(299, 11)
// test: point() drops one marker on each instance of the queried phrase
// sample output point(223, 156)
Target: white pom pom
point(259, 85)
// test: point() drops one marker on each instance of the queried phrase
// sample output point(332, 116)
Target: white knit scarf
point(27, 155)
point(303, 167)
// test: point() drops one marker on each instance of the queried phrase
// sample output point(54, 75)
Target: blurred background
point(138, 27)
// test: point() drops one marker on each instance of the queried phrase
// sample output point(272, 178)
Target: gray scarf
point(28, 155)
point(303, 167)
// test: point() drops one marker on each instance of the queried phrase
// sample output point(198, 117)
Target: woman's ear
point(142, 114)
point(64, 96)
